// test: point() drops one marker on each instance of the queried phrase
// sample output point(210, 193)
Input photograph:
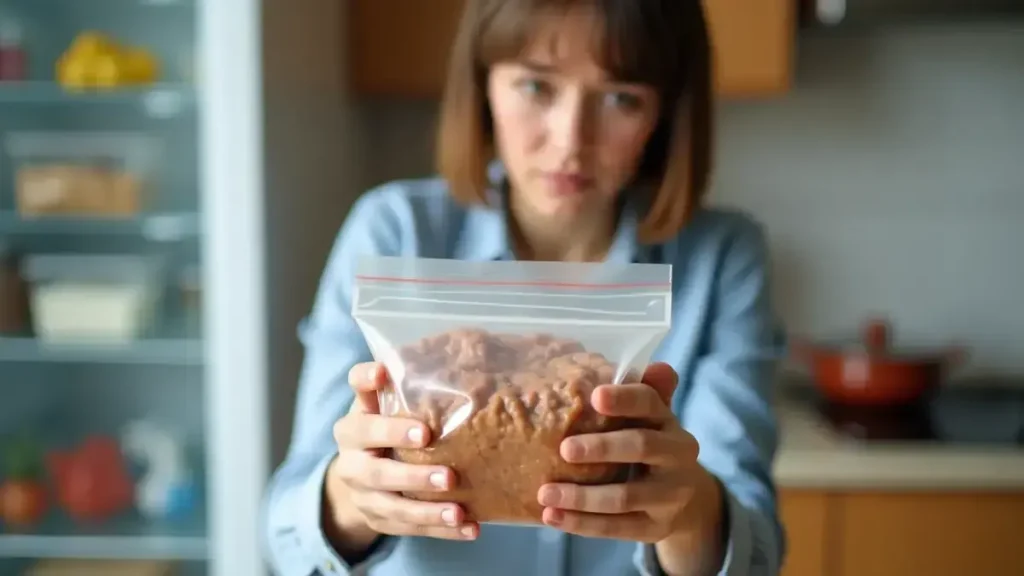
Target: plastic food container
point(500, 360)
point(13, 295)
point(106, 298)
point(81, 174)
point(190, 288)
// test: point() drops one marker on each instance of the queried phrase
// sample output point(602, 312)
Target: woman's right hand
point(363, 487)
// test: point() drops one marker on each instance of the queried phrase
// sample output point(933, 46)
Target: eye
point(623, 101)
point(535, 88)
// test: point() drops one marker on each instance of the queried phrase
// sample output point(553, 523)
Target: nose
point(570, 124)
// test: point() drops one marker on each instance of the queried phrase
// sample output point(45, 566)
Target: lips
point(568, 182)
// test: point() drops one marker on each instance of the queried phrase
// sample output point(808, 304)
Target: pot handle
point(876, 335)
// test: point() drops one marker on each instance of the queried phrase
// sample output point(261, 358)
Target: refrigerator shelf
point(154, 227)
point(162, 101)
point(126, 537)
point(178, 345)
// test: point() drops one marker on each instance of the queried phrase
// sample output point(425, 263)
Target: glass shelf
point(171, 351)
point(127, 537)
point(165, 227)
point(157, 101)
point(177, 344)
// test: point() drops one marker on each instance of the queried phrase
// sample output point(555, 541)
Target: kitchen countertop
point(811, 455)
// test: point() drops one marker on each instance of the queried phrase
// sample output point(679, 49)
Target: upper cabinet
point(754, 43)
point(399, 48)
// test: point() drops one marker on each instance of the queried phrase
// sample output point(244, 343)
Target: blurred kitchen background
point(172, 173)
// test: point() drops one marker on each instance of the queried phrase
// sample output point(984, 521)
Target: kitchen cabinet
point(883, 533)
point(804, 514)
point(893, 534)
point(754, 44)
point(399, 48)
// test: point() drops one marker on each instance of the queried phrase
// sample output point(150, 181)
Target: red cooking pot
point(871, 373)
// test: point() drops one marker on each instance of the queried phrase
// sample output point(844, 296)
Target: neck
point(586, 238)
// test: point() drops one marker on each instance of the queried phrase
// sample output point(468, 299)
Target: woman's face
point(570, 136)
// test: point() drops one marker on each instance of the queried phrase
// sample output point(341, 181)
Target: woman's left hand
point(674, 497)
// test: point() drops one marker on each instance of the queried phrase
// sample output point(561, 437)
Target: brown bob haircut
point(662, 43)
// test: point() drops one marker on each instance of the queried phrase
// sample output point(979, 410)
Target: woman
point(596, 115)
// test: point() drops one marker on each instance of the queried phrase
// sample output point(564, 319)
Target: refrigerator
point(172, 174)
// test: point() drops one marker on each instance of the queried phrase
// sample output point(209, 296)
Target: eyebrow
point(539, 67)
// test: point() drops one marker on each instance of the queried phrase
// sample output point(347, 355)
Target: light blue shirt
point(724, 344)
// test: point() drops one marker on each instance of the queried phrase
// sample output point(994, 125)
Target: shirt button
point(550, 536)
point(329, 567)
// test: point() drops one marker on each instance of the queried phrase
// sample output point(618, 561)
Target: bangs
point(633, 40)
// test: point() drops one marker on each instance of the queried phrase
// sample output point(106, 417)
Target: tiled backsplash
point(891, 181)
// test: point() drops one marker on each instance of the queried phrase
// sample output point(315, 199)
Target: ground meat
point(499, 406)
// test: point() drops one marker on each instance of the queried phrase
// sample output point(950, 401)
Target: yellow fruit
point(96, 61)
point(108, 71)
point(141, 67)
point(74, 73)
point(92, 44)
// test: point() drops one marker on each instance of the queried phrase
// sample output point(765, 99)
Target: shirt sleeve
point(729, 407)
point(295, 542)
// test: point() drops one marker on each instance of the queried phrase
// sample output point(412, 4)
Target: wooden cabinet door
point(400, 47)
point(948, 534)
point(804, 514)
point(753, 43)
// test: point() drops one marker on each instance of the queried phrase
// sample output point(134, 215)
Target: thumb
point(662, 378)
point(367, 380)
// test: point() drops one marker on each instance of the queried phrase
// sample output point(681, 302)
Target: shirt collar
point(485, 233)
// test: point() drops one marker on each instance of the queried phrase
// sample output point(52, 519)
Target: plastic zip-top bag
point(500, 359)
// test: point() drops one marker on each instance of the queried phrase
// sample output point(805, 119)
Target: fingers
point(663, 379)
point(634, 526)
point(368, 377)
point(604, 499)
point(633, 446)
point(464, 532)
point(373, 482)
point(366, 380)
point(412, 517)
point(369, 431)
point(368, 472)
point(630, 401)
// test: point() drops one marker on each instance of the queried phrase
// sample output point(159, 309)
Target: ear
point(662, 378)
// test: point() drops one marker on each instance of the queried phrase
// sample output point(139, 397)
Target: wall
point(312, 175)
point(891, 181)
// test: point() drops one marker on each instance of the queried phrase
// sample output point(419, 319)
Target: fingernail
point(376, 372)
point(415, 435)
point(448, 516)
point(555, 516)
point(468, 532)
point(439, 479)
point(550, 497)
point(572, 450)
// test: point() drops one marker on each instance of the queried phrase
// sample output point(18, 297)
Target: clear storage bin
point(107, 298)
point(189, 284)
point(13, 297)
point(190, 293)
point(81, 174)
